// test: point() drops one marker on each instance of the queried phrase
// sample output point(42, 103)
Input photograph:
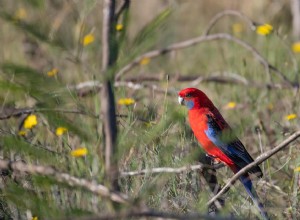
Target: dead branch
point(160, 170)
point(19, 166)
point(258, 161)
point(222, 77)
point(252, 25)
point(218, 16)
point(8, 112)
point(123, 7)
point(157, 215)
point(202, 39)
point(91, 87)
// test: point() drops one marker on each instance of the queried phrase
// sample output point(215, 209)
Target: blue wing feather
point(235, 150)
point(231, 146)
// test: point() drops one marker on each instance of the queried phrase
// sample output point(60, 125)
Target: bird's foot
point(210, 156)
point(215, 159)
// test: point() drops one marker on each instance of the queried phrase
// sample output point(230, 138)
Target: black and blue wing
point(222, 137)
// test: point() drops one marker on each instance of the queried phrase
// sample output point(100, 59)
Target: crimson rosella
point(217, 138)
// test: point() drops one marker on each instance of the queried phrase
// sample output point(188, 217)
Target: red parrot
point(217, 138)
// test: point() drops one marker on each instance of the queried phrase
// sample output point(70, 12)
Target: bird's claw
point(214, 159)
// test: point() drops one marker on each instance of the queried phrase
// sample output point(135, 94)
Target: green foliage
point(38, 30)
point(145, 39)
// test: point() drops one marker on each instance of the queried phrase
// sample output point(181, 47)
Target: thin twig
point(258, 161)
point(155, 214)
point(92, 87)
point(198, 40)
point(160, 170)
point(218, 16)
point(8, 112)
point(222, 77)
point(19, 166)
point(252, 25)
point(123, 7)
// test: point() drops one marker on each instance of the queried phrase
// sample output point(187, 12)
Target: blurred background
point(50, 58)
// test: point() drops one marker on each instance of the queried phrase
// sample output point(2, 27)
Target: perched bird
point(217, 138)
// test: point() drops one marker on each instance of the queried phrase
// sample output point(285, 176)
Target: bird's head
point(194, 98)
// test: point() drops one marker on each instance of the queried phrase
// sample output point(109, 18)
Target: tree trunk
point(108, 112)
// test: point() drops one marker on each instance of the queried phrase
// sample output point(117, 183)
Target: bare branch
point(218, 16)
point(223, 77)
point(19, 166)
point(157, 215)
point(160, 170)
point(258, 161)
point(91, 87)
point(252, 25)
point(202, 39)
point(8, 112)
point(124, 6)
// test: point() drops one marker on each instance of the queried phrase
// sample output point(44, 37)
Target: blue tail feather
point(246, 181)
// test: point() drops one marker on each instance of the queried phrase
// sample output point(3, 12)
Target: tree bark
point(108, 111)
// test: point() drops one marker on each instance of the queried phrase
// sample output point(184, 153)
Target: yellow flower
point(290, 117)
point(296, 47)
point(88, 39)
point(230, 105)
point(264, 29)
point(20, 14)
point(60, 131)
point(119, 27)
point(22, 133)
point(237, 28)
point(79, 152)
point(34, 218)
point(126, 101)
point(145, 61)
point(297, 169)
point(30, 121)
point(52, 72)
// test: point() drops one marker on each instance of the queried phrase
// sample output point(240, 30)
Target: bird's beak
point(180, 100)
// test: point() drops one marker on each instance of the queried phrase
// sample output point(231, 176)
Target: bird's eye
point(188, 95)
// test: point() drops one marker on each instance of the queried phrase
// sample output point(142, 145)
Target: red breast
point(198, 121)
